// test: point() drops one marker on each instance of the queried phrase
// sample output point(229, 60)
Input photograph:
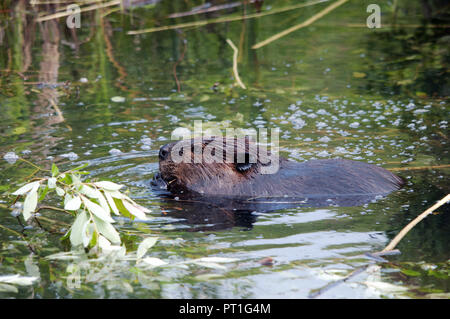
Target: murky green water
point(335, 89)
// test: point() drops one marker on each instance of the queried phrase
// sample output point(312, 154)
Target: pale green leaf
point(18, 280)
point(29, 205)
point(51, 182)
point(97, 210)
point(103, 203)
point(55, 170)
point(135, 210)
point(76, 233)
point(26, 188)
point(145, 210)
point(88, 232)
point(67, 198)
point(108, 185)
point(145, 245)
point(73, 204)
point(75, 179)
point(111, 203)
point(88, 191)
point(107, 230)
point(60, 191)
point(117, 194)
point(103, 242)
point(106, 246)
point(8, 288)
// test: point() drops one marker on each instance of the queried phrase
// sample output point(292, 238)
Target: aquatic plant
point(91, 203)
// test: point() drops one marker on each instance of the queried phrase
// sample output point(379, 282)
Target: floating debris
point(10, 157)
point(118, 99)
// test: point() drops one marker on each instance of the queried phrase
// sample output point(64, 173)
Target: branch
point(235, 69)
point(301, 25)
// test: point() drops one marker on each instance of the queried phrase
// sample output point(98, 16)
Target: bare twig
point(60, 115)
point(235, 69)
point(209, 9)
point(35, 166)
point(301, 25)
point(418, 168)
point(174, 69)
point(84, 9)
point(388, 250)
point(408, 227)
point(225, 19)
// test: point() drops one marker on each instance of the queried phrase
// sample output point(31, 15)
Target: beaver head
point(214, 166)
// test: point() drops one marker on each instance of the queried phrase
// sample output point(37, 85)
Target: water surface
point(334, 89)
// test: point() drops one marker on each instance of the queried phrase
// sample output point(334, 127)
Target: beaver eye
point(243, 167)
point(181, 152)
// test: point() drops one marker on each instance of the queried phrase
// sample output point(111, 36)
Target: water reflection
point(335, 90)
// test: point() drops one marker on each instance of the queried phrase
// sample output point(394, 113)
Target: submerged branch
point(410, 226)
point(235, 69)
point(174, 68)
point(388, 250)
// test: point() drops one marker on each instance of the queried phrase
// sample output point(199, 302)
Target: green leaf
point(94, 239)
point(8, 288)
point(29, 205)
point(51, 182)
point(108, 185)
point(102, 201)
point(89, 191)
point(111, 202)
point(55, 170)
point(145, 245)
point(116, 194)
point(66, 178)
point(97, 210)
point(359, 75)
point(88, 233)
point(18, 280)
point(43, 193)
point(107, 230)
point(135, 210)
point(411, 273)
point(60, 191)
point(73, 204)
point(122, 209)
point(75, 179)
point(67, 198)
point(26, 188)
point(76, 233)
point(80, 167)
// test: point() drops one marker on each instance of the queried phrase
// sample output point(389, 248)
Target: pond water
point(334, 89)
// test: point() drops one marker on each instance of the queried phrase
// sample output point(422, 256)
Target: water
point(335, 89)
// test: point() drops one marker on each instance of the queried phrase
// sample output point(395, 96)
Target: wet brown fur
point(316, 177)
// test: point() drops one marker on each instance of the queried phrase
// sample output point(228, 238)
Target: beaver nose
point(164, 152)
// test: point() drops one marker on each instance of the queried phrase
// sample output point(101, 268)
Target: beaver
point(216, 175)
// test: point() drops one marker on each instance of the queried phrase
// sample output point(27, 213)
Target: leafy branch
point(91, 203)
